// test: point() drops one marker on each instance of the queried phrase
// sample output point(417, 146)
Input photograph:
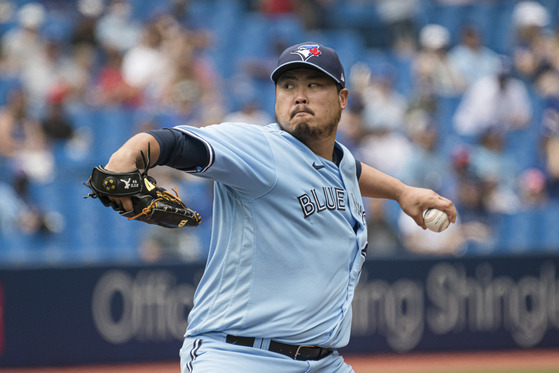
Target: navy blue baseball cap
point(311, 55)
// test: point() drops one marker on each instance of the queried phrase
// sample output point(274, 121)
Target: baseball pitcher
point(289, 229)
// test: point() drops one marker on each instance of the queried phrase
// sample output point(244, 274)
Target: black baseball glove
point(151, 203)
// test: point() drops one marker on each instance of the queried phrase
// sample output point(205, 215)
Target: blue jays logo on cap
point(303, 56)
point(307, 51)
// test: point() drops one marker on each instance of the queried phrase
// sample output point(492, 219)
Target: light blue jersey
point(288, 240)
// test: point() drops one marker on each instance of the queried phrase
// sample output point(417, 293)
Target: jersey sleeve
point(358, 168)
point(238, 155)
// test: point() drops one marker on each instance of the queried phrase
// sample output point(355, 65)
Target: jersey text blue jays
point(328, 198)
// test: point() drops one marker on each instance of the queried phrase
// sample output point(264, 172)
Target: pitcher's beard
point(308, 134)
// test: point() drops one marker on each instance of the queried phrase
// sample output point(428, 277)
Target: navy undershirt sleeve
point(179, 150)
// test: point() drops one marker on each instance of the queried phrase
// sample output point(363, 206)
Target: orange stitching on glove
point(146, 210)
point(171, 197)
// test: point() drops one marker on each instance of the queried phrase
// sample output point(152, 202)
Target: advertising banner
point(99, 314)
point(466, 304)
point(60, 316)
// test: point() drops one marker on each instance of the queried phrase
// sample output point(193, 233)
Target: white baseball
point(436, 220)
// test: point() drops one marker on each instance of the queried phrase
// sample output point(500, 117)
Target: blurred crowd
point(477, 125)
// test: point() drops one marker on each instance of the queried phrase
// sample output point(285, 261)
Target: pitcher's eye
point(286, 85)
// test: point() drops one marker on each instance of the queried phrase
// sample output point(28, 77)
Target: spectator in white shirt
point(498, 101)
point(431, 66)
point(24, 42)
point(471, 59)
point(145, 66)
point(116, 28)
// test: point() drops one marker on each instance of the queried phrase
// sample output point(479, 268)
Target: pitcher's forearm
point(128, 156)
point(377, 184)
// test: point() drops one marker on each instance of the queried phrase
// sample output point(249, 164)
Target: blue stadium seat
point(453, 17)
point(112, 126)
point(7, 85)
point(254, 37)
point(59, 26)
point(519, 233)
point(503, 34)
point(404, 80)
point(88, 120)
point(15, 249)
point(522, 144)
point(548, 224)
point(349, 44)
point(483, 17)
point(448, 139)
point(352, 14)
point(144, 10)
point(288, 28)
